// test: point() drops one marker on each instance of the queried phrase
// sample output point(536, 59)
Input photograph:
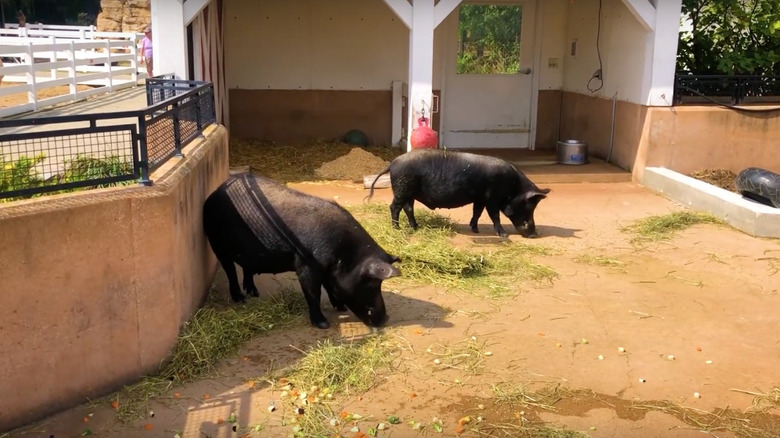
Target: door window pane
point(489, 39)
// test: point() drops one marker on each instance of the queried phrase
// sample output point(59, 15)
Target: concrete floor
point(542, 167)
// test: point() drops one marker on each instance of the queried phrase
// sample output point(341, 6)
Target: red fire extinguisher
point(423, 136)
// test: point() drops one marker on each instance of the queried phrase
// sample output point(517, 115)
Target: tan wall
point(684, 139)
point(695, 138)
point(95, 284)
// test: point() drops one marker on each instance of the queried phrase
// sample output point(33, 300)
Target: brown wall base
point(547, 121)
point(97, 283)
point(299, 116)
point(684, 139)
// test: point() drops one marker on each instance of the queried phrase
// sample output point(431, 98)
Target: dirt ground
point(21, 98)
point(657, 325)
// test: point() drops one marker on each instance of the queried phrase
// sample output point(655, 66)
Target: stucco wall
point(624, 50)
point(684, 139)
point(314, 45)
point(96, 284)
point(554, 18)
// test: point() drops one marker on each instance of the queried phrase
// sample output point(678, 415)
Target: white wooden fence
point(51, 56)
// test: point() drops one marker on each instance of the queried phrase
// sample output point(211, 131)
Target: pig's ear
point(382, 270)
point(536, 195)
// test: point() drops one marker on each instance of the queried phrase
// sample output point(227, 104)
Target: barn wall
point(306, 69)
point(97, 283)
point(624, 47)
point(684, 138)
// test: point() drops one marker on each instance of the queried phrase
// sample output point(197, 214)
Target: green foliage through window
point(736, 37)
point(489, 39)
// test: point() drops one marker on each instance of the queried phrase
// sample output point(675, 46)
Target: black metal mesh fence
point(42, 160)
point(160, 140)
point(207, 112)
point(64, 159)
point(726, 89)
point(188, 120)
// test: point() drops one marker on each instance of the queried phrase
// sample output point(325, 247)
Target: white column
point(658, 84)
point(421, 17)
point(169, 38)
point(420, 64)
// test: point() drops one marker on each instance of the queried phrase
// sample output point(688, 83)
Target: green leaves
point(730, 37)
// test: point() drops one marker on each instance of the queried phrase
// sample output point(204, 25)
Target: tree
point(734, 37)
point(52, 11)
point(489, 39)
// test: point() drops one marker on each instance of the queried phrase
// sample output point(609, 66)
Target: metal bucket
point(572, 152)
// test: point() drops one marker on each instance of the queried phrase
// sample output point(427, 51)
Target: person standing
point(146, 51)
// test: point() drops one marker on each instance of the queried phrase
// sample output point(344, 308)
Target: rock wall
point(124, 15)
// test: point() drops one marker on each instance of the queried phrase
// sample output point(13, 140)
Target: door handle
point(525, 71)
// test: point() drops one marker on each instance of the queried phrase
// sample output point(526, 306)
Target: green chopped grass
point(429, 256)
point(210, 335)
point(329, 369)
point(663, 227)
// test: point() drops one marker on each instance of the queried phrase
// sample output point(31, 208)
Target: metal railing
point(726, 89)
point(101, 149)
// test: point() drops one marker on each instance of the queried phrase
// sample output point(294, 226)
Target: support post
point(169, 38)
point(420, 64)
point(658, 84)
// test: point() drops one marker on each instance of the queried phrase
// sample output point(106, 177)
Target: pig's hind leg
point(478, 208)
point(408, 207)
point(249, 283)
point(409, 210)
point(230, 271)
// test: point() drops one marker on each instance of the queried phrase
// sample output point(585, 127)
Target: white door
point(488, 71)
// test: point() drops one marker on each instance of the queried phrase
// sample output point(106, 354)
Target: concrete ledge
point(743, 214)
point(97, 283)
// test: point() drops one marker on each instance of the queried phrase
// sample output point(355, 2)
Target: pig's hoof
point(474, 229)
point(340, 307)
point(238, 298)
point(253, 293)
point(323, 325)
point(503, 234)
point(532, 236)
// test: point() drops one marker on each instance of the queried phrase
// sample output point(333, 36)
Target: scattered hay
point(467, 356)
point(723, 178)
point(514, 413)
point(598, 260)
point(429, 256)
point(511, 430)
point(756, 424)
point(519, 395)
point(344, 368)
point(657, 228)
point(764, 402)
point(741, 424)
point(210, 335)
point(328, 370)
point(353, 166)
point(294, 163)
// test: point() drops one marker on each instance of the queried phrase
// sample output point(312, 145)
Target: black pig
point(266, 227)
point(447, 179)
